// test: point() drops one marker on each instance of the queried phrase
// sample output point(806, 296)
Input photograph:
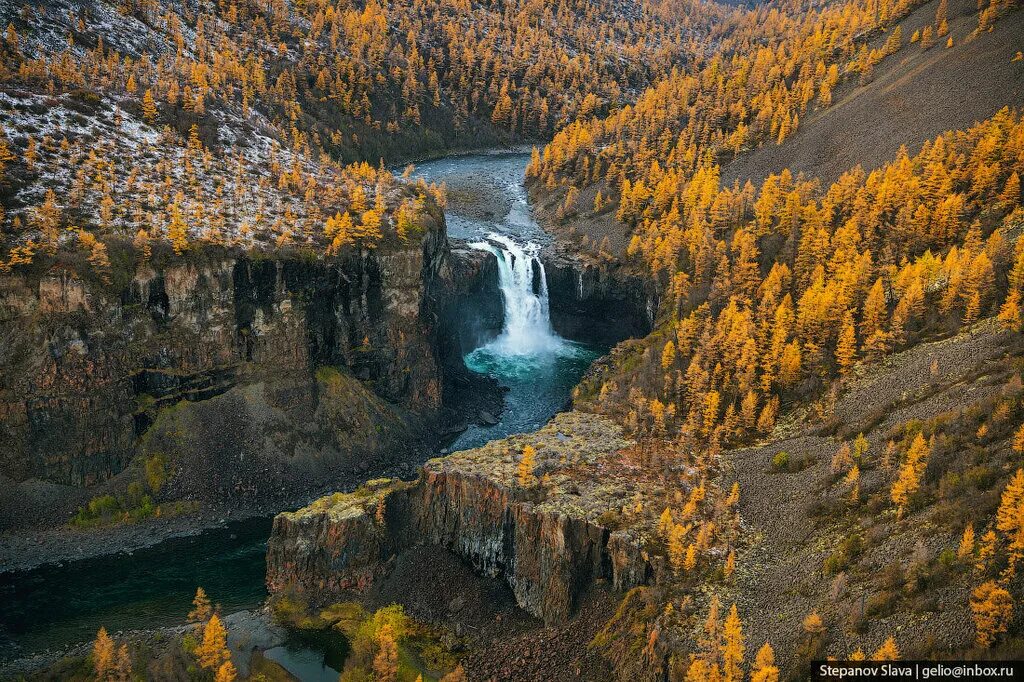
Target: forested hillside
point(779, 294)
point(149, 114)
point(360, 80)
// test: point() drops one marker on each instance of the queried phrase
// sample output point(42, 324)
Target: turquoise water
point(538, 387)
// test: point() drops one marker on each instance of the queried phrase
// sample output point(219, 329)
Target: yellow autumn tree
point(1018, 440)
point(846, 348)
point(385, 663)
point(908, 480)
point(887, 652)
point(734, 495)
point(226, 673)
point(733, 649)
point(97, 253)
point(103, 654)
point(213, 652)
point(992, 608)
point(369, 229)
point(527, 462)
point(668, 355)
point(852, 482)
point(201, 609)
point(177, 230)
point(764, 669)
point(149, 110)
point(123, 668)
point(1010, 518)
point(812, 624)
point(966, 547)
point(986, 550)
point(860, 448)
point(690, 560)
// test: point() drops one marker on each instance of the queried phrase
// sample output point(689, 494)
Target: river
point(488, 209)
point(56, 606)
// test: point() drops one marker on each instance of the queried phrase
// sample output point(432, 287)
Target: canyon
point(687, 346)
point(266, 379)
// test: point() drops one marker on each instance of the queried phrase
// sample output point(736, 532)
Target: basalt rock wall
point(476, 310)
point(548, 557)
point(289, 364)
point(548, 552)
point(598, 304)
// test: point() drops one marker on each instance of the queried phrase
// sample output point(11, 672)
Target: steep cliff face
point(601, 304)
point(548, 539)
point(475, 307)
point(253, 366)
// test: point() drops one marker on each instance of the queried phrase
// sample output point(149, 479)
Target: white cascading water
point(527, 329)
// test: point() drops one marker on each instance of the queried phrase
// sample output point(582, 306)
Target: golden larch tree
point(966, 547)
point(887, 652)
point(690, 562)
point(385, 663)
point(992, 608)
point(123, 669)
point(213, 651)
point(226, 673)
point(149, 110)
point(527, 462)
point(103, 654)
point(201, 609)
point(177, 230)
point(909, 478)
point(846, 347)
point(733, 649)
point(1010, 519)
point(1009, 313)
point(765, 669)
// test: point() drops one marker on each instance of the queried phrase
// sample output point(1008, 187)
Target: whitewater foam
point(524, 289)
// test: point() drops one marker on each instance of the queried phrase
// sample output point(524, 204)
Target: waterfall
point(527, 328)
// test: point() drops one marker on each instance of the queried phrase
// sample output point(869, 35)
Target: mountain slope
point(915, 95)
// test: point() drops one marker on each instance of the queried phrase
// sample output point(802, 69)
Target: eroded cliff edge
point(549, 539)
point(251, 375)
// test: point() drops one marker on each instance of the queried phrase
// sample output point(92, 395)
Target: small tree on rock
point(527, 462)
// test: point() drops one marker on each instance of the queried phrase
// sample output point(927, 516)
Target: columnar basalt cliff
point(550, 538)
point(248, 373)
point(597, 303)
point(475, 309)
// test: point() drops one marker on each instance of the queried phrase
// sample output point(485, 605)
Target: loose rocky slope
point(915, 95)
point(868, 573)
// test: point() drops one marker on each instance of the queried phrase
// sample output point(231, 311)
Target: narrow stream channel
point(55, 606)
